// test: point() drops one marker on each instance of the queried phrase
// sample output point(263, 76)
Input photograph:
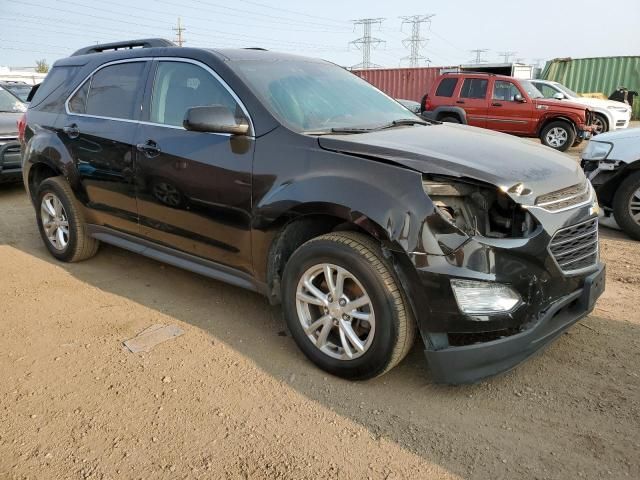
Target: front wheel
point(344, 307)
point(626, 206)
point(600, 124)
point(558, 135)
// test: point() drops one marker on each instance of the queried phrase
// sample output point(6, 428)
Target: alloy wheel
point(335, 311)
point(54, 221)
point(598, 125)
point(557, 137)
point(634, 206)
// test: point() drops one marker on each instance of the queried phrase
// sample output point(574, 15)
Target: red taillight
point(22, 126)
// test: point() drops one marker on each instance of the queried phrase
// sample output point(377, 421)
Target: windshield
point(532, 91)
point(20, 91)
point(9, 103)
point(566, 90)
point(311, 96)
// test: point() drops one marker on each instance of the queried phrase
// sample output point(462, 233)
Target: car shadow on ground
point(573, 397)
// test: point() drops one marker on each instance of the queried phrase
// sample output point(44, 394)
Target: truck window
point(474, 88)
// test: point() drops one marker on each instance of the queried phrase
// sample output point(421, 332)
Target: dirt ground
point(234, 398)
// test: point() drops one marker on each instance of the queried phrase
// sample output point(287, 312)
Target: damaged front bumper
point(472, 363)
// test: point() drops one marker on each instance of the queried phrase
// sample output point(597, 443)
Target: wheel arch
point(556, 118)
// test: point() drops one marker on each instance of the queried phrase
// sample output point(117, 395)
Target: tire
point(76, 245)
point(623, 208)
point(450, 119)
point(600, 124)
point(558, 135)
point(390, 334)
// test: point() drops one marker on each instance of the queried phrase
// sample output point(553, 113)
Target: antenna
point(365, 42)
point(415, 42)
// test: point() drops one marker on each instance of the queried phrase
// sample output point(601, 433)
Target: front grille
point(575, 248)
point(565, 198)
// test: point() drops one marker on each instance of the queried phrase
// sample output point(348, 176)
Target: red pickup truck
point(508, 105)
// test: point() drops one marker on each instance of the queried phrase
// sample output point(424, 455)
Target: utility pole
point(478, 52)
point(366, 41)
point(507, 56)
point(415, 42)
point(179, 39)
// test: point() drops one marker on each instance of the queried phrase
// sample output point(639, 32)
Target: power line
point(366, 41)
point(415, 42)
point(179, 29)
point(507, 56)
point(478, 53)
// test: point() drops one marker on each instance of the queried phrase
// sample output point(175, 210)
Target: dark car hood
point(8, 124)
point(462, 151)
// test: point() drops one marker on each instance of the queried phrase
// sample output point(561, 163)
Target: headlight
point(618, 109)
point(482, 298)
point(597, 150)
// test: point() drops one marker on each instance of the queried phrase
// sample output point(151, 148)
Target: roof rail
point(462, 72)
point(256, 48)
point(126, 45)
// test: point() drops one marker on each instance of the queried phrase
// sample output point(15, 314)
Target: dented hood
point(463, 151)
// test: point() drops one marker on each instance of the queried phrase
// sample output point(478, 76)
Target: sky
point(536, 31)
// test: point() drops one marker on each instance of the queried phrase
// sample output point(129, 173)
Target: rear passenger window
point(178, 86)
point(474, 88)
point(447, 87)
point(111, 92)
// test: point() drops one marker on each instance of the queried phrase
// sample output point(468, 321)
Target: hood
point(622, 134)
point(9, 124)
point(553, 103)
point(462, 151)
point(599, 103)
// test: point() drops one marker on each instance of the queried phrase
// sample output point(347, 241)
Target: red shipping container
point(402, 83)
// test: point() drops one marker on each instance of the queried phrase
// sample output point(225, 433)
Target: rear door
point(473, 99)
point(98, 130)
point(193, 188)
point(506, 114)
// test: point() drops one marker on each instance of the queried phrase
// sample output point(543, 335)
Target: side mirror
point(214, 119)
point(558, 96)
point(519, 98)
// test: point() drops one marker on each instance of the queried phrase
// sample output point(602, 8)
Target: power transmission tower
point(366, 41)
point(478, 52)
point(507, 56)
point(179, 39)
point(415, 42)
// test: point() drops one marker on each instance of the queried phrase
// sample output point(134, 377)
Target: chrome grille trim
point(566, 198)
point(576, 248)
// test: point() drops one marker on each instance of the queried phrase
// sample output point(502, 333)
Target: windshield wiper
point(404, 121)
point(395, 123)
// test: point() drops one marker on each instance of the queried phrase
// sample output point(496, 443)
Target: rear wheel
point(600, 124)
point(558, 135)
point(626, 206)
point(344, 307)
point(61, 223)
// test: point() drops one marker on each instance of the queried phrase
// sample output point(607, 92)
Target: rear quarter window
point(447, 87)
point(56, 78)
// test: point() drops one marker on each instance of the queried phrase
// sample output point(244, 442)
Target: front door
point(506, 112)
point(98, 131)
point(473, 99)
point(193, 188)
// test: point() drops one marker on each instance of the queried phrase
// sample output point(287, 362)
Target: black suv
point(294, 178)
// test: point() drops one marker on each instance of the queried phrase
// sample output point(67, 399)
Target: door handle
point(496, 104)
point(72, 130)
point(459, 101)
point(150, 149)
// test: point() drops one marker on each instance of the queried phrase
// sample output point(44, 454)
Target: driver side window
point(505, 91)
point(546, 90)
point(178, 86)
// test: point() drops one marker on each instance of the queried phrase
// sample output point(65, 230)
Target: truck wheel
point(450, 119)
point(558, 135)
point(60, 222)
point(344, 307)
point(600, 124)
point(626, 206)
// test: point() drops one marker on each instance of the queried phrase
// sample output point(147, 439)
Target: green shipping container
point(602, 74)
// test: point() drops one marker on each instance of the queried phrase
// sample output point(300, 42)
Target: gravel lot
point(234, 398)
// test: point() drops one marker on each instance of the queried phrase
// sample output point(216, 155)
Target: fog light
point(481, 298)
